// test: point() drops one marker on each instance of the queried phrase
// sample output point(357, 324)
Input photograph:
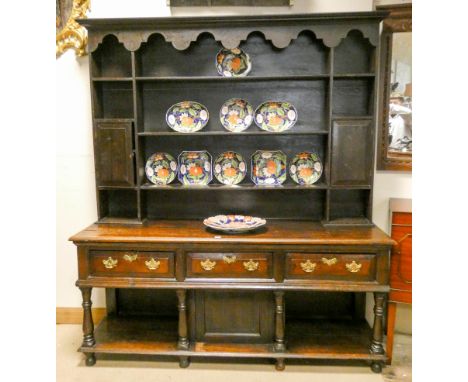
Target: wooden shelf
point(236, 79)
point(238, 187)
point(353, 75)
point(111, 79)
point(229, 133)
point(120, 220)
point(357, 221)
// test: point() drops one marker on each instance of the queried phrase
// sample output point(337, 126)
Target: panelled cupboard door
point(352, 153)
point(114, 156)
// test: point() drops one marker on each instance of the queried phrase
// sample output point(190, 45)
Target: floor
point(71, 367)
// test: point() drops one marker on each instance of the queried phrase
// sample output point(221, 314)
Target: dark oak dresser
point(294, 289)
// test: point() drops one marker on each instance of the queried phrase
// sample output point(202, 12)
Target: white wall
point(76, 199)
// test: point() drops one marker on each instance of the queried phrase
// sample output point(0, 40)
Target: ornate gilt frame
point(73, 35)
point(399, 20)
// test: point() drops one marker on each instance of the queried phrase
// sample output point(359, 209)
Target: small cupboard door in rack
point(114, 154)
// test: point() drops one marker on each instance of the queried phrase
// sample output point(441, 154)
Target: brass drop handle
point(130, 258)
point(308, 266)
point(353, 267)
point(251, 265)
point(152, 264)
point(110, 263)
point(329, 262)
point(229, 259)
point(207, 264)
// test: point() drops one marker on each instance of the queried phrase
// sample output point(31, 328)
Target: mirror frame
point(398, 20)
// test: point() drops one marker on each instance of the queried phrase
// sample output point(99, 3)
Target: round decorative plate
point(233, 63)
point(234, 223)
point(230, 168)
point(268, 168)
point(161, 168)
point(195, 168)
point(305, 168)
point(187, 117)
point(275, 116)
point(236, 115)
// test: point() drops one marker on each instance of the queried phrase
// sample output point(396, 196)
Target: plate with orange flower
point(230, 168)
point(275, 116)
point(187, 116)
point(195, 168)
point(269, 168)
point(233, 63)
point(161, 168)
point(234, 223)
point(305, 168)
point(236, 115)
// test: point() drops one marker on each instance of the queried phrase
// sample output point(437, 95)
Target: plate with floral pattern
point(236, 115)
point(306, 168)
point(233, 63)
point(234, 223)
point(268, 168)
point(161, 168)
point(187, 116)
point(275, 116)
point(195, 168)
point(230, 168)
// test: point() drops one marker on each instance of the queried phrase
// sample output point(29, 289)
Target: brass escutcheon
point(308, 266)
point(229, 259)
point(353, 267)
point(207, 264)
point(251, 265)
point(130, 258)
point(152, 264)
point(110, 263)
point(331, 261)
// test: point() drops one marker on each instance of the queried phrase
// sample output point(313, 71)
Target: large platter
point(236, 115)
point(275, 116)
point(195, 168)
point(305, 168)
point(269, 168)
point(234, 223)
point(187, 117)
point(230, 168)
point(161, 168)
point(233, 63)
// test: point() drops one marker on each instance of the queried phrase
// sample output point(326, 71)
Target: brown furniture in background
point(293, 289)
point(401, 263)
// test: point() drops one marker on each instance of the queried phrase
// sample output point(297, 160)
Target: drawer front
point(325, 266)
point(132, 264)
point(230, 265)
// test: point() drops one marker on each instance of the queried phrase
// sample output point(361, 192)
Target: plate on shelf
point(195, 168)
point(233, 63)
point(187, 117)
point(275, 116)
point(230, 168)
point(161, 168)
point(269, 168)
point(234, 223)
point(236, 115)
point(305, 168)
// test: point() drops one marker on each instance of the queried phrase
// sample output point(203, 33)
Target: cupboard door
point(114, 153)
point(352, 153)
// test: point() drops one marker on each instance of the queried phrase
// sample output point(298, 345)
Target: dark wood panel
point(118, 203)
point(113, 99)
point(354, 54)
point(352, 97)
point(349, 204)
point(111, 59)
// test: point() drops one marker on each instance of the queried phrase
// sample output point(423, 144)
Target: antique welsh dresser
point(294, 289)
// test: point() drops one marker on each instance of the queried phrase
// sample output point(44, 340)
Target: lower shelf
point(313, 339)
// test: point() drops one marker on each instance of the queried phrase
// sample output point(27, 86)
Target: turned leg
point(182, 343)
point(377, 331)
point(280, 364)
point(279, 345)
point(88, 325)
point(184, 362)
point(391, 315)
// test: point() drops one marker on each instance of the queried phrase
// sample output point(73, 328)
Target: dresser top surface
point(193, 231)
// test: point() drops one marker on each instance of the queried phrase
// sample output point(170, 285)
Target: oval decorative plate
point(233, 63)
point(305, 168)
point(234, 223)
point(236, 115)
point(195, 168)
point(187, 117)
point(268, 168)
point(275, 116)
point(230, 168)
point(161, 168)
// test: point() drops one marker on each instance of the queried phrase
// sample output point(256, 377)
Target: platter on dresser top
point(230, 168)
point(275, 116)
point(236, 115)
point(305, 168)
point(187, 116)
point(268, 167)
point(234, 223)
point(233, 63)
point(161, 168)
point(195, 168)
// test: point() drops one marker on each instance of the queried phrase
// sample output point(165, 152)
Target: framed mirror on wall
point(395, 138)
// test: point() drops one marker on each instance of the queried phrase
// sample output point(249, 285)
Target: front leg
point(377, 331)
point(88, 325)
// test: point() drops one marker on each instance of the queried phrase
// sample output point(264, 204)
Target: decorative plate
point(195, 168)
point(275, 116)
point(233, 63)
point(161, 168)
point(236, 115)
point(187, 117)
point(268, 168)
point(230, 168)
point(234, 223)
point(305, 168)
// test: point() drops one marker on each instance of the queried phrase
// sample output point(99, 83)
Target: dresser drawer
point(131, 263)
point(325, 266)
point(230, 265)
